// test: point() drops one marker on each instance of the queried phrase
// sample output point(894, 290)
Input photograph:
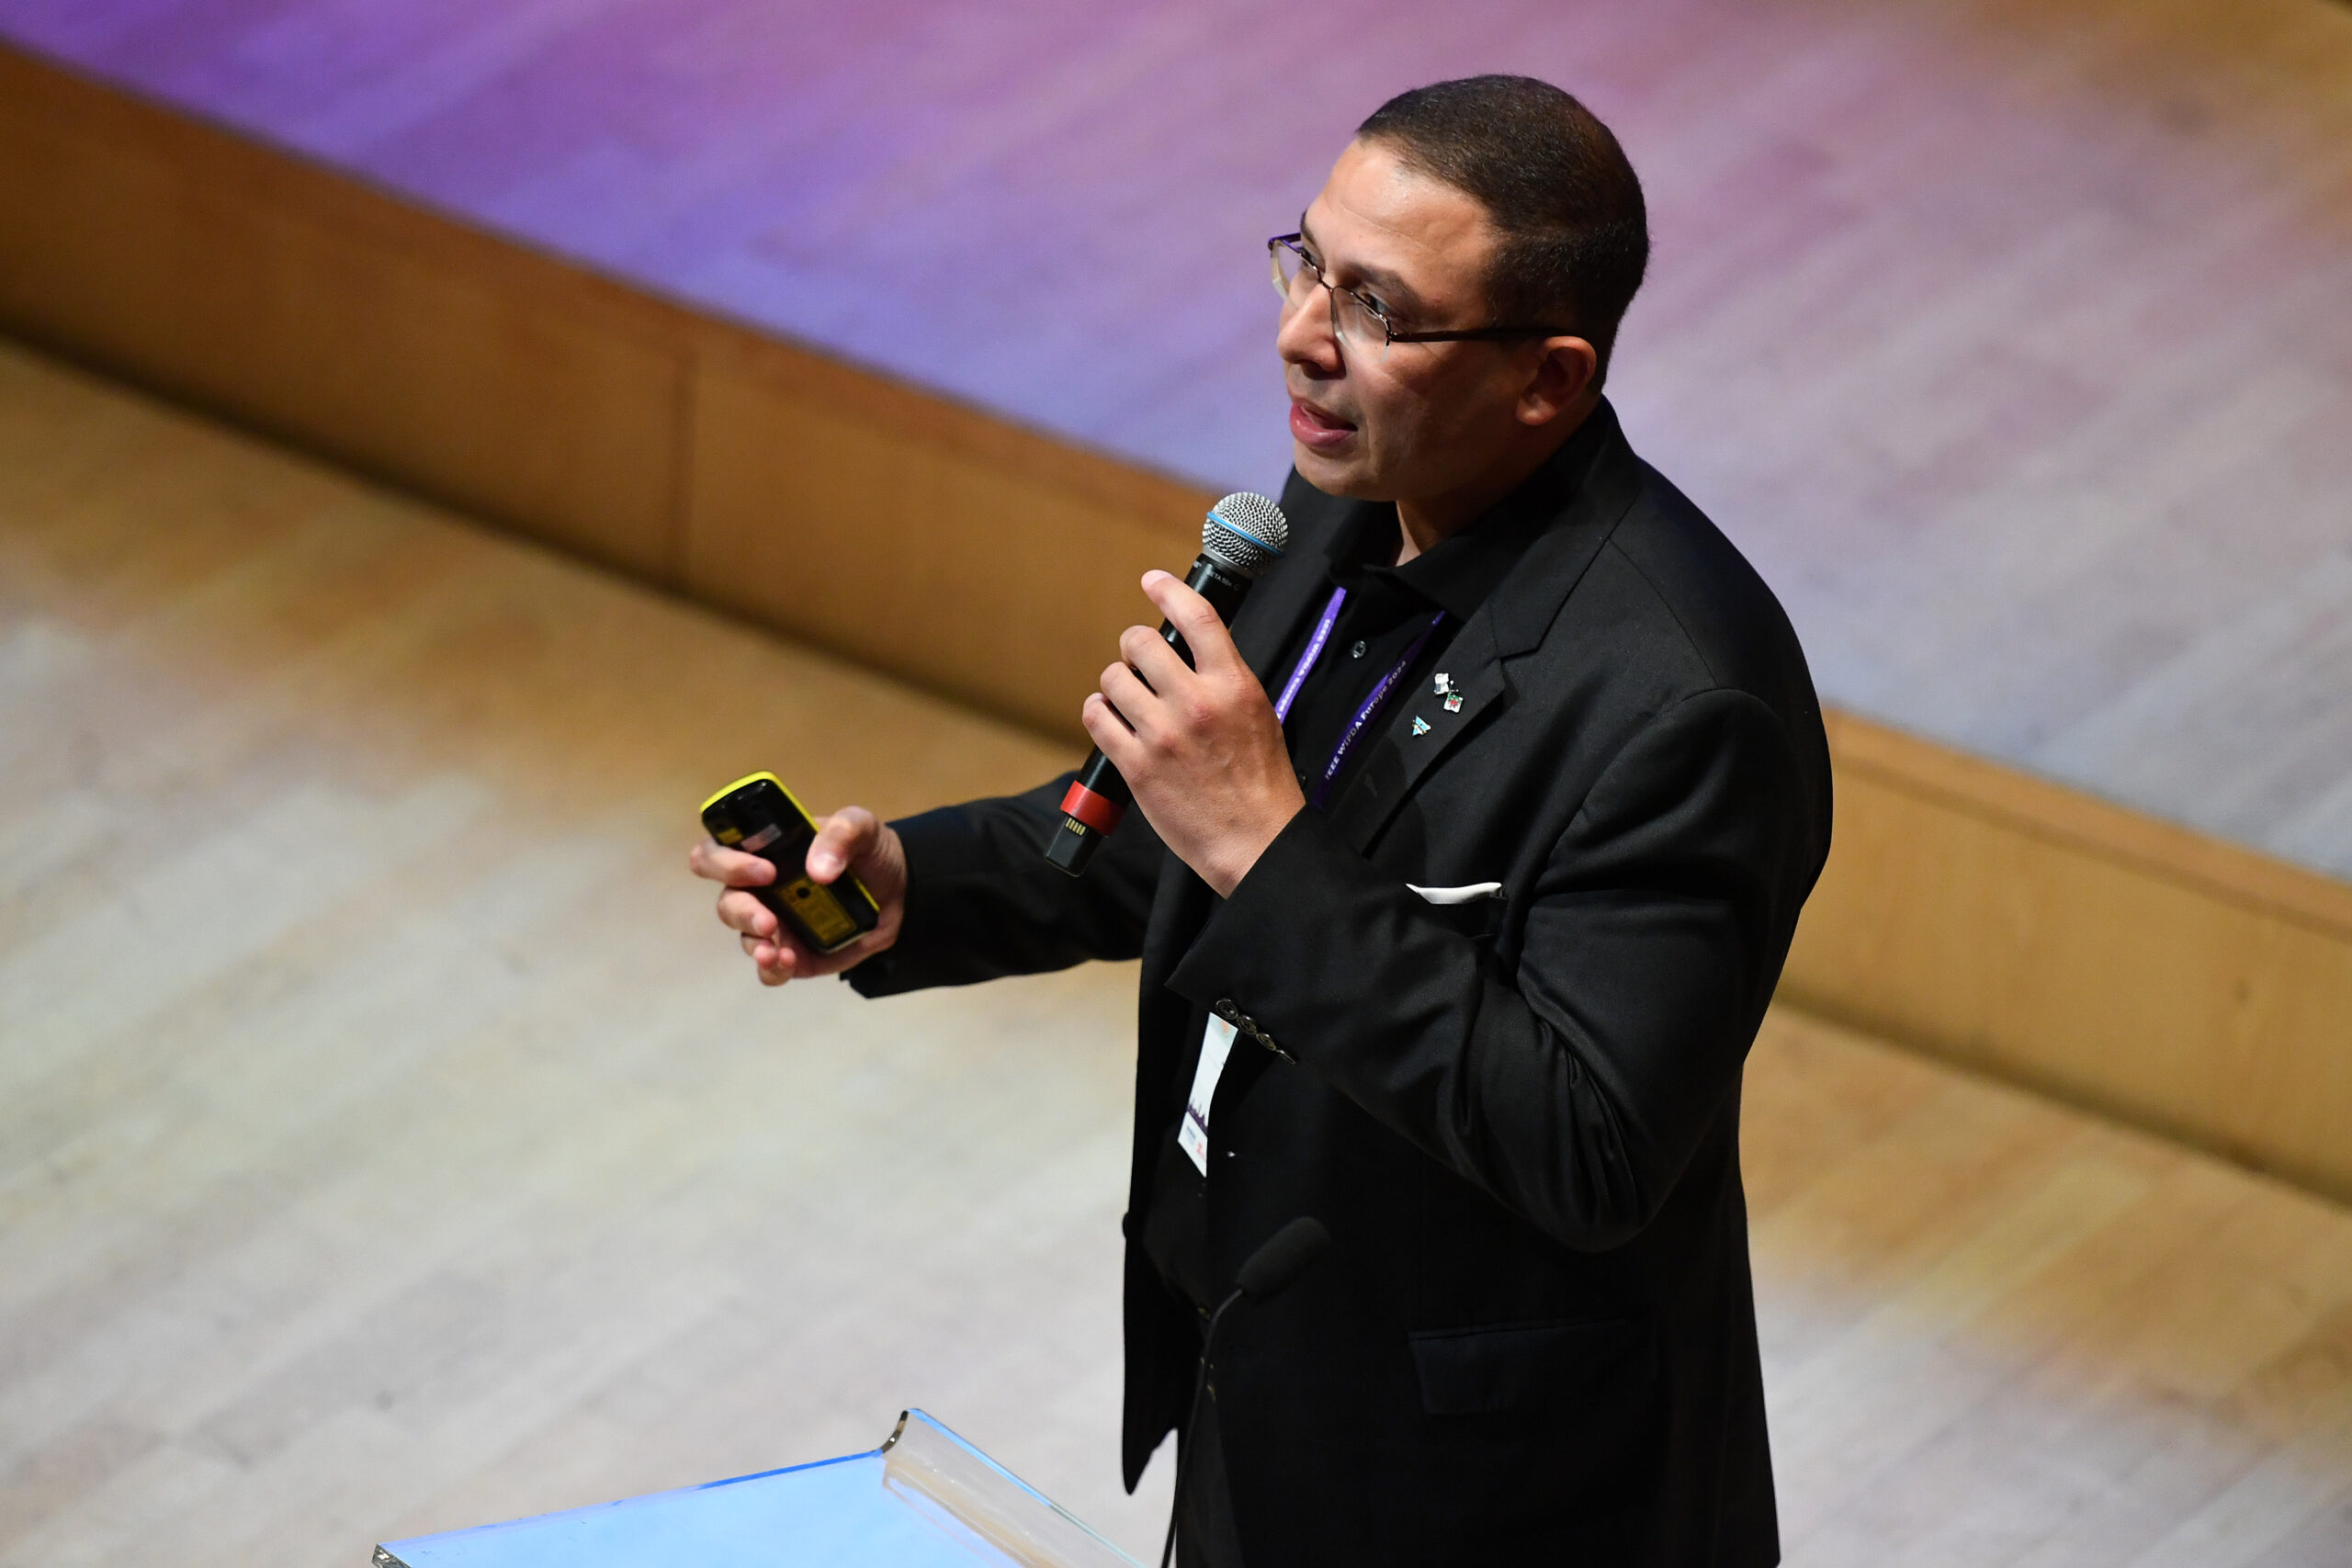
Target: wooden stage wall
point(2175, 981)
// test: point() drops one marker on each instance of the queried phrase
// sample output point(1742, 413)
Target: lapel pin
point(1420, 725)
point(1454, 702)
point(1444, 683)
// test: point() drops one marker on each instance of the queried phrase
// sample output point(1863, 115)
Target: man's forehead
point(1376, 213)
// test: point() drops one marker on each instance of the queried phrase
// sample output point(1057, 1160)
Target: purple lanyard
point(1372, 704)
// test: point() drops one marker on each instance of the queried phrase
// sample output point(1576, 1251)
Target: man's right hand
point(853, 839)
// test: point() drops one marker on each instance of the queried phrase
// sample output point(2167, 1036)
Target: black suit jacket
point(1534, 1337)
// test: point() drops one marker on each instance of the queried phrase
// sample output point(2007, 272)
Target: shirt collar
point(1460, 572)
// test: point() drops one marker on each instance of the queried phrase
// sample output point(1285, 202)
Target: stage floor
point(2010, 340)
point(390, 1140)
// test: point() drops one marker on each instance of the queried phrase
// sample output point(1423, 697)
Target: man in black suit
point(1467, 868)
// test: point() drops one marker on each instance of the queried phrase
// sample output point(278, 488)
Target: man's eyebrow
point(1379, 277)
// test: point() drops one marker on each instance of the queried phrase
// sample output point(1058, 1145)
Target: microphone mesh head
point(1245, 534)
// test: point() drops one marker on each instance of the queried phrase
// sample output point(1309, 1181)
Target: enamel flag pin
point(1454, 702)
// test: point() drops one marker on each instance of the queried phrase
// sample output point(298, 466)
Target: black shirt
point(1386, 609)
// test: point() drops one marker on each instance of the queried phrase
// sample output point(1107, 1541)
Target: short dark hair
point(1575, 233)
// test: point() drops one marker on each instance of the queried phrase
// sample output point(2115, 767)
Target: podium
point(924, 1499)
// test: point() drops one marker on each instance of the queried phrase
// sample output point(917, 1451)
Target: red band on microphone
point(1096, 811)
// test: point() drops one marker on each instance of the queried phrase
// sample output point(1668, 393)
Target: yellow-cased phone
point(758, 815)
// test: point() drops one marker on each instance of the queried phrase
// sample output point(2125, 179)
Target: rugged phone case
point(759, 816)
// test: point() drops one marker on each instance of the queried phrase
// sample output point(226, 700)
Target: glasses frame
point(1372, 308)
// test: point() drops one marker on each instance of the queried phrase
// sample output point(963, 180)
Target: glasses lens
point(1291, 276)
point(1355, 325)
point(1351, 320)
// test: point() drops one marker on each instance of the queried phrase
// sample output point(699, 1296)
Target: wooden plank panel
point(920, 537)
point(296, 301)
point(2177, 982)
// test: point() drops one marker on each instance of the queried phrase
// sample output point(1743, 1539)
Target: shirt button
point(1357, 651)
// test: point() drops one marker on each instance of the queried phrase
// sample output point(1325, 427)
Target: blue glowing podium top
point(924, 1498)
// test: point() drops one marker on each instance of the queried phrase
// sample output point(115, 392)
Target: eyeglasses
point(1360, 317)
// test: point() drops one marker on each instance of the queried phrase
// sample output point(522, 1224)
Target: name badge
point(1193, 1137)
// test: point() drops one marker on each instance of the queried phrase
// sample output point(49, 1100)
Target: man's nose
point(1305, 336)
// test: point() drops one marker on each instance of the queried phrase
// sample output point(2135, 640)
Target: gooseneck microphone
point(1276, 1266)
point(1244, 532)
point(1271, 1269)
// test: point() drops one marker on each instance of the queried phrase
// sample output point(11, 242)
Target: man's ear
point(1561, 379)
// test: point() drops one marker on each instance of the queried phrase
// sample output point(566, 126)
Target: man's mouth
point(1315, 428)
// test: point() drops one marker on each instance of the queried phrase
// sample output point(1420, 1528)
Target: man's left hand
point(1200, 747)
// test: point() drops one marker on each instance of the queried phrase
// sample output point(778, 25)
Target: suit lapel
point(1419, 732)
point(1400, 757)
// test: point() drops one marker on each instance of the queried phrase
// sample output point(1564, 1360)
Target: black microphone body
point(1271, 1269)
point(1243, 533)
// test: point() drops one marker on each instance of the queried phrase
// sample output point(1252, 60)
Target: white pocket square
point(1470, 894)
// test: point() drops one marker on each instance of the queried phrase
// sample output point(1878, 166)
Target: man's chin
point(1333, 473)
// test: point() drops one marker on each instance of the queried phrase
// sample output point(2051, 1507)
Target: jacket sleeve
point(981, 901)
point(1576, 1087)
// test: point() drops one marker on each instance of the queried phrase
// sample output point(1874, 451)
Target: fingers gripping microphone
point(1243, 535)
point(1271, 1269)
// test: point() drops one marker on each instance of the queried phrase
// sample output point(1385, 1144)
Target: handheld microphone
point(1243, 533)
point(1271, 1269)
